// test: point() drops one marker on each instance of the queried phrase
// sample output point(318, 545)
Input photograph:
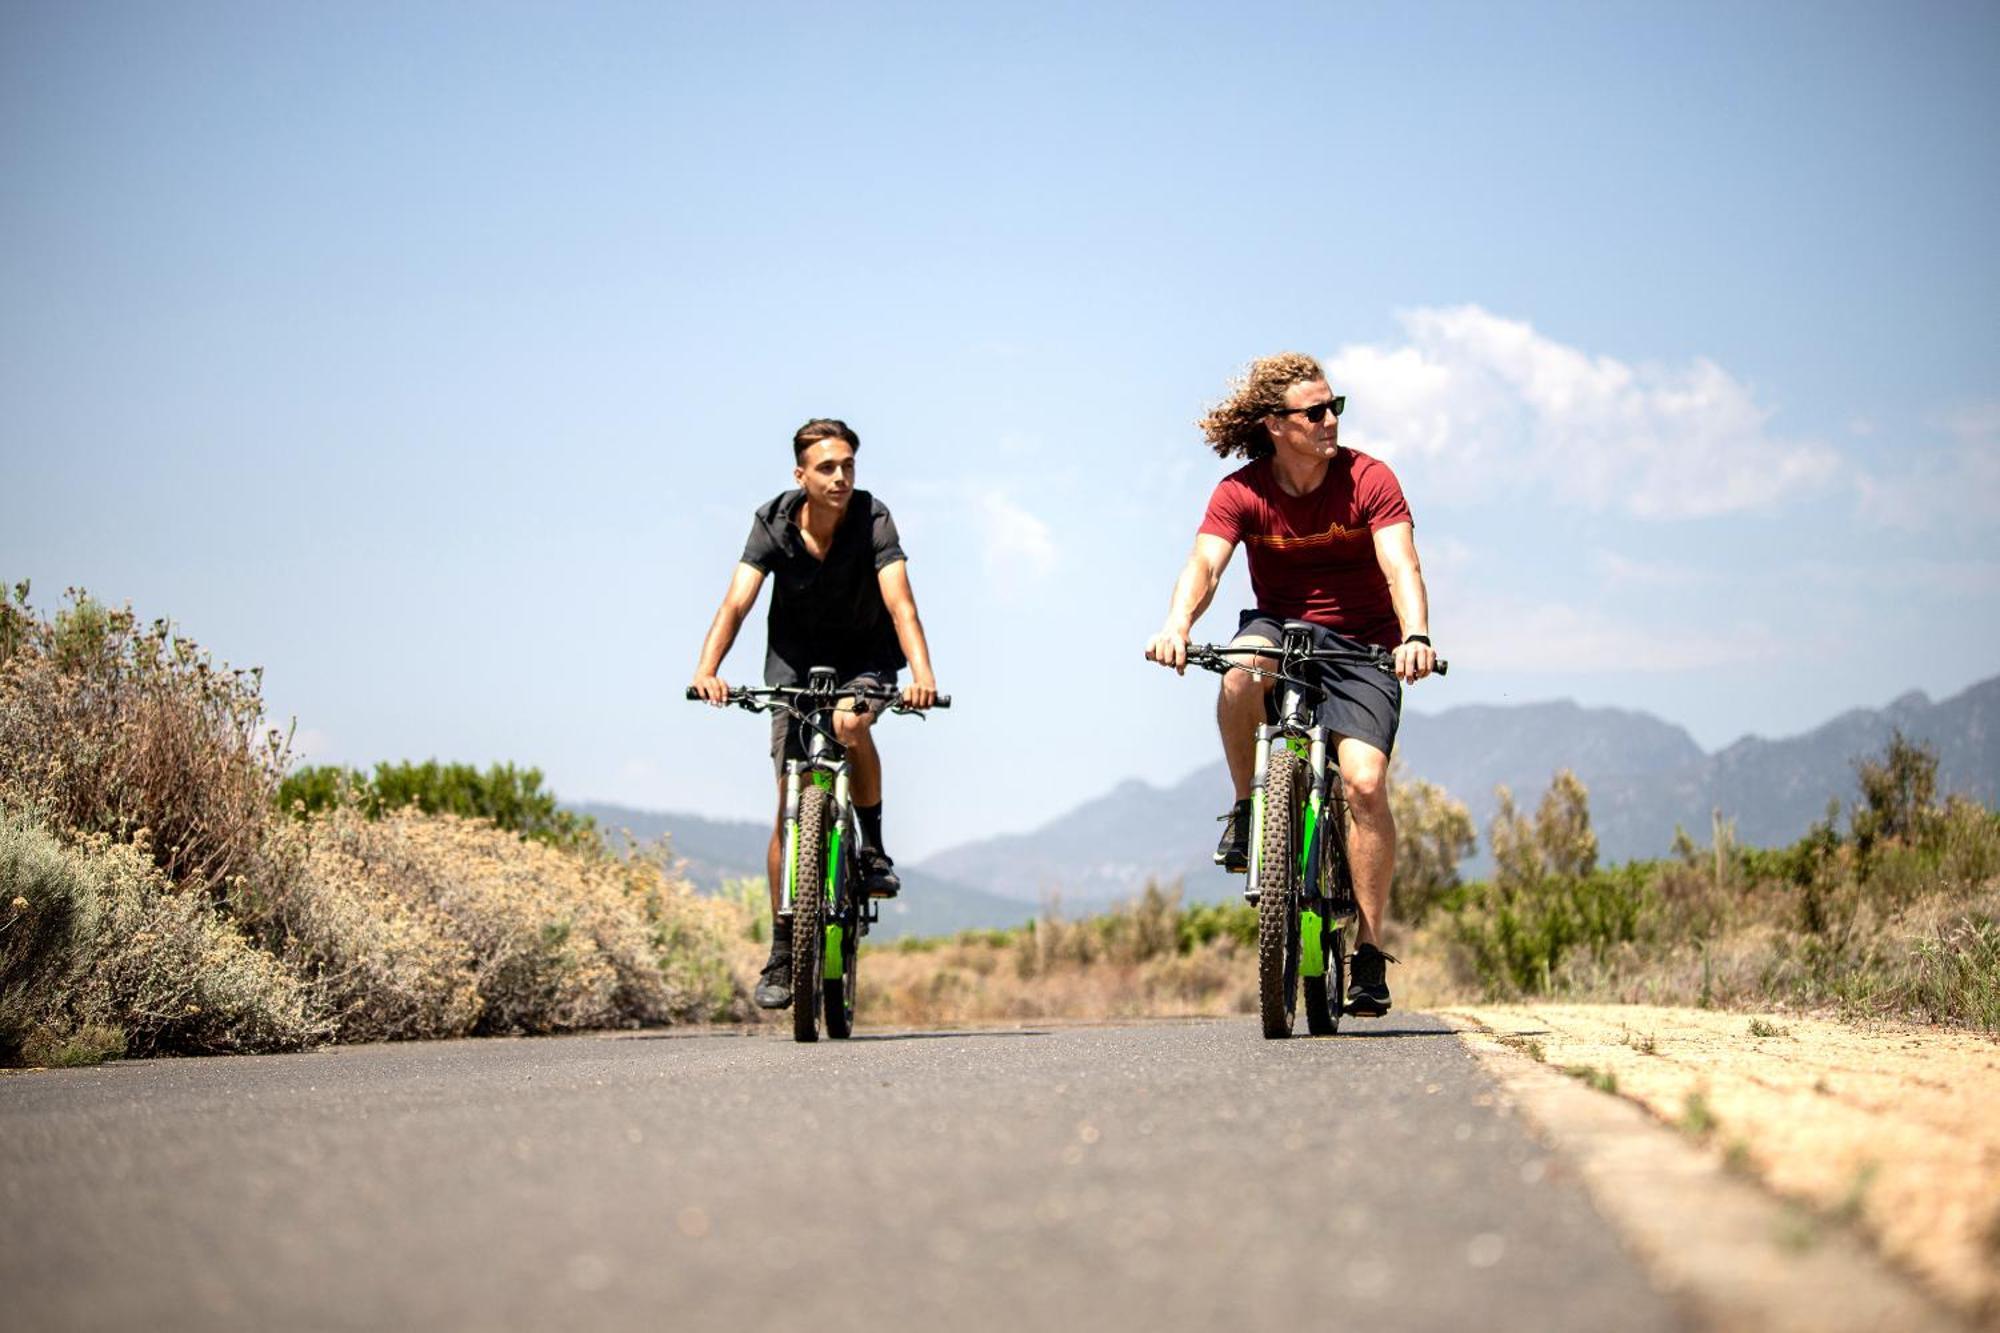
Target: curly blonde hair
point(1235, 426)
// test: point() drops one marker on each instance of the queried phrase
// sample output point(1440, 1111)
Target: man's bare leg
point(1239, 711)
point(774, 858)
point(774, 983)
point(1371, 845)
point(856, 731)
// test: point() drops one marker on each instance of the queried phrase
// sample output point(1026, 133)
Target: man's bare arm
point(744, 585)
point(1193, 591)
point(894, 577)
point(1396, 552)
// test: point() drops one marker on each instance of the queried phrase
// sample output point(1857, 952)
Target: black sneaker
point(1233, 852)
point(774, 983)
point(878, 873)
point(1368, 985)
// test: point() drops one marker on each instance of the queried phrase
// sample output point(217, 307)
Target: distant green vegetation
point(1890, 908)
point(512, 798)
point(1899, 915)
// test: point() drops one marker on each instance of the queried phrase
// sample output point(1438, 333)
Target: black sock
point(870, 817)
point(781, 933)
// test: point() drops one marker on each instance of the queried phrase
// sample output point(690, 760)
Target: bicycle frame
point(825, 764)
point(1297, 730)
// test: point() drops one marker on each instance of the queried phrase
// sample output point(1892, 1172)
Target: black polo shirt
point(826, 612)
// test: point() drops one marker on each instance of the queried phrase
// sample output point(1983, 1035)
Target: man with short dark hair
point(1330, 542)
point(841, 598)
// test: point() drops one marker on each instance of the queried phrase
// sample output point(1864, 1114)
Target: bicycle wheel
point(1326, 995)
point(809, 910)
point(1276, 860)
point(838, 991)
point(1323, 992)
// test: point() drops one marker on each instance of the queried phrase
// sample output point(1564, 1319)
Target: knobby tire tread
point(809, 911)
point(1277, 896)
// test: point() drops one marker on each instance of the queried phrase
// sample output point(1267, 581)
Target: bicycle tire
point(838, 993)
point(809, 910)
point(1323, 993)
point(1326, 996)
point(1277, 861)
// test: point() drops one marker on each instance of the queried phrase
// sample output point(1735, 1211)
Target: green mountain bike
point(1299, 876)
point(823, 896)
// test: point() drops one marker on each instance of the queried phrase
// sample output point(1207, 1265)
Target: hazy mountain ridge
point(714, 850)
point(1645, 776)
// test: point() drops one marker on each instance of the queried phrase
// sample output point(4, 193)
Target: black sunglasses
point(1317, 412)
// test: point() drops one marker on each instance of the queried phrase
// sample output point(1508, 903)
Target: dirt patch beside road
point(1891, 1127)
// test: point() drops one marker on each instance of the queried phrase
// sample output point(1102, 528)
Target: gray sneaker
point(774, 983)
point(1232, 853)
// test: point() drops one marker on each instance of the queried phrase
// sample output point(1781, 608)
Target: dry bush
point(108, 727)
point(1146, 958)
point(1433, 834)
point(431, 925)
point(101, 955)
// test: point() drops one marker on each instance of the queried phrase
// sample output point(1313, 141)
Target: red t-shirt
point(1312, 557)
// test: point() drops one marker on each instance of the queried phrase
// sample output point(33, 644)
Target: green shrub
point(509, 797)
point(1518, 936)
point(1204, 923)
point(1433, 834)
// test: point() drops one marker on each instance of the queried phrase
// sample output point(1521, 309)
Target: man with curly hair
point(841, 599)
point(1330, 542)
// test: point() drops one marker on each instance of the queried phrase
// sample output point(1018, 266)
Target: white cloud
point(1917, 488)
point(1623, 571)
point(1504, 635)
point(1483, 404)
point(1018, 547)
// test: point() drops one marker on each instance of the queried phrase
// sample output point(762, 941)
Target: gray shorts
point(1361, 701)
point(788, 737)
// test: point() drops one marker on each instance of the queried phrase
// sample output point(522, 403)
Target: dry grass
point(155, 900)
point(1883, 1125)
point(108, 726)
point(101, 955)
point(431, 926)
point(979, 980)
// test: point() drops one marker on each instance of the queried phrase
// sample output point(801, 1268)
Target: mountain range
point(1645, 777)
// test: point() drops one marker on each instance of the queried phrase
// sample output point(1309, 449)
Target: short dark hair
point(822, 428)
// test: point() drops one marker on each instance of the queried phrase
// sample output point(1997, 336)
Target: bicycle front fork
point(796, 777)
point(1312, 748)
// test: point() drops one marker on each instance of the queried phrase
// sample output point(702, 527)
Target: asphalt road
point(1169, 1175)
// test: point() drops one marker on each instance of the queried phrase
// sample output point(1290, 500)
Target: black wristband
point(1424, 639)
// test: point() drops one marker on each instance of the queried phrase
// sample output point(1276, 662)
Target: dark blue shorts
point(1363, 702)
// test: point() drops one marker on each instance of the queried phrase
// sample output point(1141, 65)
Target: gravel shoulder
point(1889, 1127)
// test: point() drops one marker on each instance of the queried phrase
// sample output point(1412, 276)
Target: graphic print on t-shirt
point(1312, 557)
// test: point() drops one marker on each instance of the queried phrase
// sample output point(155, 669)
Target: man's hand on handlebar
point(1169, 648)
point(1414, 661)
point(920, 693)
point(713, 689)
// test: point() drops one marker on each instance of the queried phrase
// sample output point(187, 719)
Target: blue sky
point(433, 357)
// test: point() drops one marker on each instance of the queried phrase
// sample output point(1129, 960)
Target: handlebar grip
point(1442, 666)
point(693, 693)
point(943, 701)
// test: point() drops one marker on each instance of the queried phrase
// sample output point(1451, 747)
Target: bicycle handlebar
point(1215, 658)
point(747, 697)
